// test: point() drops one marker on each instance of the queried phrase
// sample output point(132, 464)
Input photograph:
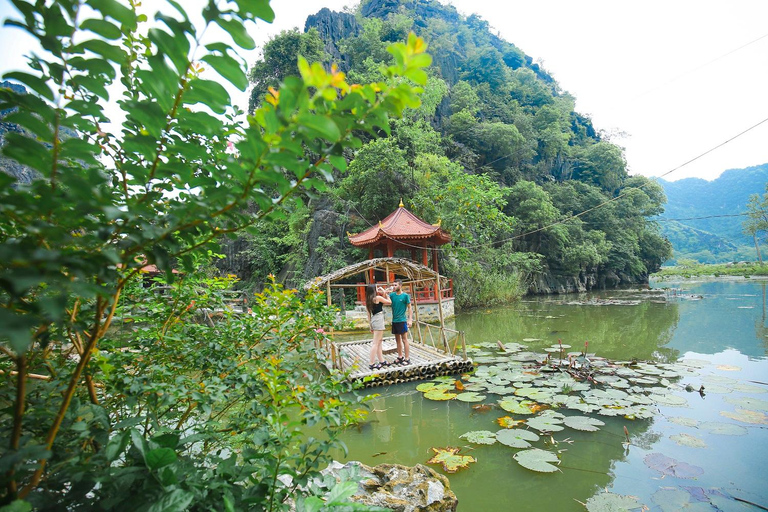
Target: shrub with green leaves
point(89, 413)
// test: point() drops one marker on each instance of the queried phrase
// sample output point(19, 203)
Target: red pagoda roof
point(401, 225)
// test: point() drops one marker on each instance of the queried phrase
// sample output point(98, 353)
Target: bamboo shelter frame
point(411, 274)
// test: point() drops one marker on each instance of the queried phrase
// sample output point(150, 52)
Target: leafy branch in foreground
point(160, 192)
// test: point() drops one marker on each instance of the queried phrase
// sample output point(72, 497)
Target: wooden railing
point(438, 338)
point(420, 295)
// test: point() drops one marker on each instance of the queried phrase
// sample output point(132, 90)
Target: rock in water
point(400, 488)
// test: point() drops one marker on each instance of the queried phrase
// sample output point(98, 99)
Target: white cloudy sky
point(678, 77)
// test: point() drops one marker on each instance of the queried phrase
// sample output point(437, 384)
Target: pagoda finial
point(401, 203)
point(381, 225)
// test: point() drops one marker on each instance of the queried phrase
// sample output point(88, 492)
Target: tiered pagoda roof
point(401, 225)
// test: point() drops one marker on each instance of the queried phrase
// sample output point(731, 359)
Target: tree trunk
point(757, 248)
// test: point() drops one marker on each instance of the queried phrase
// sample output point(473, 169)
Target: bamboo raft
point(426, 363)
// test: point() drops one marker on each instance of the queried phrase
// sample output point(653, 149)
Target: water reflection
point(727, 328)
point(640, 331)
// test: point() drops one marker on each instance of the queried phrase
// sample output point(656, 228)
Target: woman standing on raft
point(374, 304)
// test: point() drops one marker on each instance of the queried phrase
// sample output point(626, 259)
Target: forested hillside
point(495, 152)
point(719, 236)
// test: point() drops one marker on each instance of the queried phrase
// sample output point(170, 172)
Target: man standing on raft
point(401, 306)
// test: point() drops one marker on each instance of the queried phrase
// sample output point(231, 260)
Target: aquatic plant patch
point(450, 459)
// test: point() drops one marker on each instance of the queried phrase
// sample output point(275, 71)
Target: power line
point(705, 217)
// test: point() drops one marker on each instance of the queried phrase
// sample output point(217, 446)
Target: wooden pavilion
point(434, 349)
point(401, 230)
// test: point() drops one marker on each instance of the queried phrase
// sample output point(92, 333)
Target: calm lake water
point(723, 335)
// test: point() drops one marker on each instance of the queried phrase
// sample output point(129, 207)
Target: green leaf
point(175, 501)
point(479, 437)
point(258, 8)
point(102, 27)
point(239, 35)
point(17, 506)
point(610, 502)
point(539, 460)
point(209, 93)
point(341, 492)
point(116, 11)
point(583, 423)
point(450, 459)
point(36, 83)
point(160, 457)
point(31, 123)
point(516, 437)
point(321, 125)
point(228, 68)
point(103, 48)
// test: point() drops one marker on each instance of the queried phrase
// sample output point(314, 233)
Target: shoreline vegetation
point(744, 269)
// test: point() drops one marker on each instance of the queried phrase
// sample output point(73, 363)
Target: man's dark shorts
point(399, 327)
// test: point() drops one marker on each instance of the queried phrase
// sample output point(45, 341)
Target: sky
point(668, 80)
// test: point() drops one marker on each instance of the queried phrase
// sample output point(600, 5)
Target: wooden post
point(440, 313)
point(463, 344)
point(416, 311)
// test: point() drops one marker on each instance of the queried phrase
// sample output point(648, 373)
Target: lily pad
point(480, 437)
point(470, 396)
point(610, 502)
point(509, 422)
point(547, 422)
point(753, 404)
point(439, 395)
point(746, 416)
point(516, 438)
point(670, 400)
point(515, 406)
point(539, 460)
point(450, 459)
point(674, 499)
point(723, 429)
point(749, 388)
point(430, 386)
point(729, 368)
point(583, 423)
point(686, 422)
point(688, 440)
point(669, 466)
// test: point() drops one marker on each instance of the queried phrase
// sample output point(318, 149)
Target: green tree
point(603, 165)
point(377, 179)
point(162, 192)
point(757, 219)
point(278, 61)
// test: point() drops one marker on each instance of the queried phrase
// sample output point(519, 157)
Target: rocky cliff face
point(548, 283)
point(333, 26)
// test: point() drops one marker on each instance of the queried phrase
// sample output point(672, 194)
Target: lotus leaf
point(686, 422)
point(535, 394)
point(500, 390)
point(516, 438)
point(450, 459)
point(583, 423)
point(641, 399)
point(610, 502)
point(669, 466)
point(695, 363)
point(515, 407)
point(546, 423)
point(529, 340)
point(674, 499)
point(720, 379)
point(729, 368)
point(717, 389)
point(552, 350)
point(470, 397)
point(563, 346)
point(474, 386)
point(431, 386)
point(748, 388)
point(497, 381)
point(746, 416)
point(688, 440)
point(439, 395)
point(509, 422)
point(480, 437)
point(514, 347)
point(644, 380)
point(445, 379)
point(670, 400)
point(536, 459)
point(753, 404)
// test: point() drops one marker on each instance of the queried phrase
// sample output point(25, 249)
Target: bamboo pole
point(440, 313)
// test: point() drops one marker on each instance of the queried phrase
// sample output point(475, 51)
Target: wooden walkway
point(426, 363)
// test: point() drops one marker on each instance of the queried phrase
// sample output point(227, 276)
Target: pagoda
point(401, 230)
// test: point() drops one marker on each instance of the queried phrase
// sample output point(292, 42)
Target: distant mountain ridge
point(717, 238)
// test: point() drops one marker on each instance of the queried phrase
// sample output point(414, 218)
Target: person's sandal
point(374, 366)
point(384, 364)
point(398, 361)
point(405, 362)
